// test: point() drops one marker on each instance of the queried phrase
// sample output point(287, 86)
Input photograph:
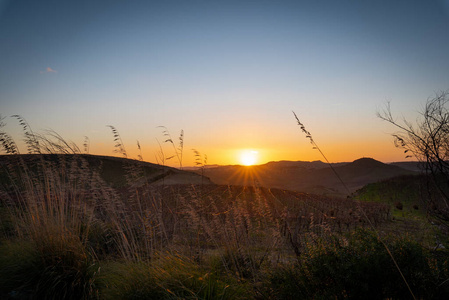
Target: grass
point(359, 267)
point(407, 197)
point(69, 231)
point(168, 276)
point(403, 194)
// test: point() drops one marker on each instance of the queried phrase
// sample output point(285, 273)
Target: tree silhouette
point(427, 139)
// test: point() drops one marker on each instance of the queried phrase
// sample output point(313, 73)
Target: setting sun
point(248, 157)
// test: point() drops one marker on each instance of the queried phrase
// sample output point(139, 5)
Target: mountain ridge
point(313, 177)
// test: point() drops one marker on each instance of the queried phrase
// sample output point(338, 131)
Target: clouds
point(49, 70)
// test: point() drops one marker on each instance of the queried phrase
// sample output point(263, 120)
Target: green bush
point(360, 267)
point(29, 271)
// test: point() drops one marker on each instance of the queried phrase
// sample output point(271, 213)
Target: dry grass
point(88, 239)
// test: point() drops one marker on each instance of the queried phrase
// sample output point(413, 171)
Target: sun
point(248, 157)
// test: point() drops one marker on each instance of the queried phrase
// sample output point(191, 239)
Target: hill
point(410, 165)
point(63, 217)
point(405, 193)
point(312, 177)
point(115, 171)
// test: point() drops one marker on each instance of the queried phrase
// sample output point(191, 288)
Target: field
point(71, 230)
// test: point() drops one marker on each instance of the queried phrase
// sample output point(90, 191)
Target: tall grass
point(48, 212)
point(67, 232)
point(315, 146)
point(178, 151)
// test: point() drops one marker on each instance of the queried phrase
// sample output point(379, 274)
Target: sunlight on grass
point(75, 226)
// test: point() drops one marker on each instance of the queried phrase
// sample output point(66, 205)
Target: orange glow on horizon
point(382, 150)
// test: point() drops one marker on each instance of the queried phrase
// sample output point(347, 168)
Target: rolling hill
point(312, 177)
point(117, 172)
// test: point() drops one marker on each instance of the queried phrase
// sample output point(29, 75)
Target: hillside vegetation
point(86, 227)
point(115, 171)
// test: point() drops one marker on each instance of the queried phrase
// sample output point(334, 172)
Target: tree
point(427, 139)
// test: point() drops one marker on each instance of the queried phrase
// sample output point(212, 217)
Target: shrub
point(31, 271)
point(361, 268)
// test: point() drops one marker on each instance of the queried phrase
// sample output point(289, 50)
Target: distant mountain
point(313, 177)
point(317, 164)
point(410, 165)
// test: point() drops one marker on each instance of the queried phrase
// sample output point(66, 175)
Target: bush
point(361, 268)
point(29, 271)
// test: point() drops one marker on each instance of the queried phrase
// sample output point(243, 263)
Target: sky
point(227, 73)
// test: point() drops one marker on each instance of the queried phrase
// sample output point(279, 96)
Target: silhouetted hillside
point(410, 165)
point(313, 177)
point(115, 171)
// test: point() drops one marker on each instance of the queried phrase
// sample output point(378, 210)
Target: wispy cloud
point(49, 70)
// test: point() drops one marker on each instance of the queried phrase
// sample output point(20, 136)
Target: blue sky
point(228, 73)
